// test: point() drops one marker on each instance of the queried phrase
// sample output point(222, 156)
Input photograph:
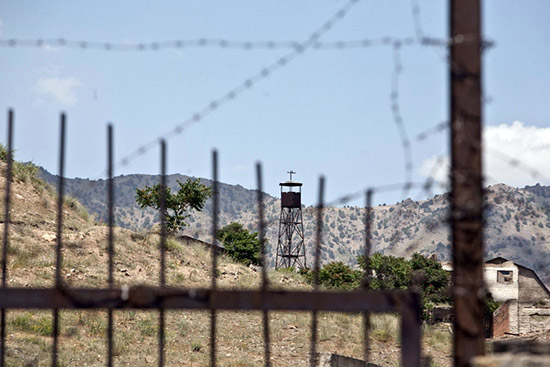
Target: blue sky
point(327, 112)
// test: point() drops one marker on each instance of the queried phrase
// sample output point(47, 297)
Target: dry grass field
point(239, 334)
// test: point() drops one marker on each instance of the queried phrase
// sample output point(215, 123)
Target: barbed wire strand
point(359, 194)
point(426, 186)
point(516, 163)
point(490, 151)
point(398, 117)
point(221, 43)
point(417, 20)
point(439, 128)
point(486, 149)
point(427, 189)
point(140, 47)
point(232, 94)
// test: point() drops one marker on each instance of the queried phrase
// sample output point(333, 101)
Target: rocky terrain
point(517, 221)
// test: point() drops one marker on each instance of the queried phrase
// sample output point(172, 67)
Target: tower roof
point(290, 183)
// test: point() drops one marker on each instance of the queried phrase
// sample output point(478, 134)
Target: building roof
point(448, 265)
point(500, 260)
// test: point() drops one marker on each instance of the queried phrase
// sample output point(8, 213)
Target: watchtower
point(290, 246)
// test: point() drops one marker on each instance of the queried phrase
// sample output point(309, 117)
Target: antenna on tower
point(291, 172)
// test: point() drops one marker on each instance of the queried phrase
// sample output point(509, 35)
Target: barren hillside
point(517, 221)
point(82, 336)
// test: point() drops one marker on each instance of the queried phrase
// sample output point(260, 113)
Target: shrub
point(24, 172)
point(339, 275)
point(390, 272)
point(196, 346)
point(335, 275)
point(241, 245)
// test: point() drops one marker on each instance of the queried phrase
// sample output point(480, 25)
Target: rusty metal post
point(110, 239)
point(59, 233)
point(367, 273)
point(5, 244)
point(466, 179)
point(163, 194)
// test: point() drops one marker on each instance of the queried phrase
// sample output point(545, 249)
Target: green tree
point(389, 272)
point(190, 195)
point(241, 245)
point(434, 280)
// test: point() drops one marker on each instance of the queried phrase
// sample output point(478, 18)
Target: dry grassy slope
point(517, 221)
point(82, 341)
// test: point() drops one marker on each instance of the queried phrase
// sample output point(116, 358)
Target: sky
point(325, 112)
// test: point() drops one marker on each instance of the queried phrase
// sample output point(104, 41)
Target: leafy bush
point(335, 275)
point(74, 204)
point(4, 153)
point(240, 244)
point(23, 172)
point(339, 275)
point(389, 272)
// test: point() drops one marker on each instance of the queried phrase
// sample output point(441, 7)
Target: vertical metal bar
point(60, 194)
point(367, 273)
point(58, 258)
point(317, 265)
point(6, 238)
point(466, 179)
point(110, 201)
point(411, 333)
point(261, 224)
point(163, 192)
point(110, 213)
point(215, 198)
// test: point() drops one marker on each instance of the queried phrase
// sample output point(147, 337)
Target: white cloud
point(63, 90)
point(515, 154)
point(49, 48)
point(436, 167)
point(1, 27)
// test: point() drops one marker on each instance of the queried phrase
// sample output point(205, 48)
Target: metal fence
point(162, 298)
point(466, 224)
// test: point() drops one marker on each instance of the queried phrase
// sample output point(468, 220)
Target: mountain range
point(517, 220)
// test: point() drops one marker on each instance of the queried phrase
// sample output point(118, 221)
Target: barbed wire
point(430, 177)
point(298, 48)
point(400, 186)
point(232, 94)
point(439, 128)
point(359, 194)
point(398, 117)
point(516, 163)
point(220, 43)
point(417, 19)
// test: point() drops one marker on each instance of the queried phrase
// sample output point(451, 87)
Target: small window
point(504, 276)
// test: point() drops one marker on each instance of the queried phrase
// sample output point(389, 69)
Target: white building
point(525, 298)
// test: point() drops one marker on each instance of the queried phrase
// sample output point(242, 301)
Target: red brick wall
point(501, 320)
